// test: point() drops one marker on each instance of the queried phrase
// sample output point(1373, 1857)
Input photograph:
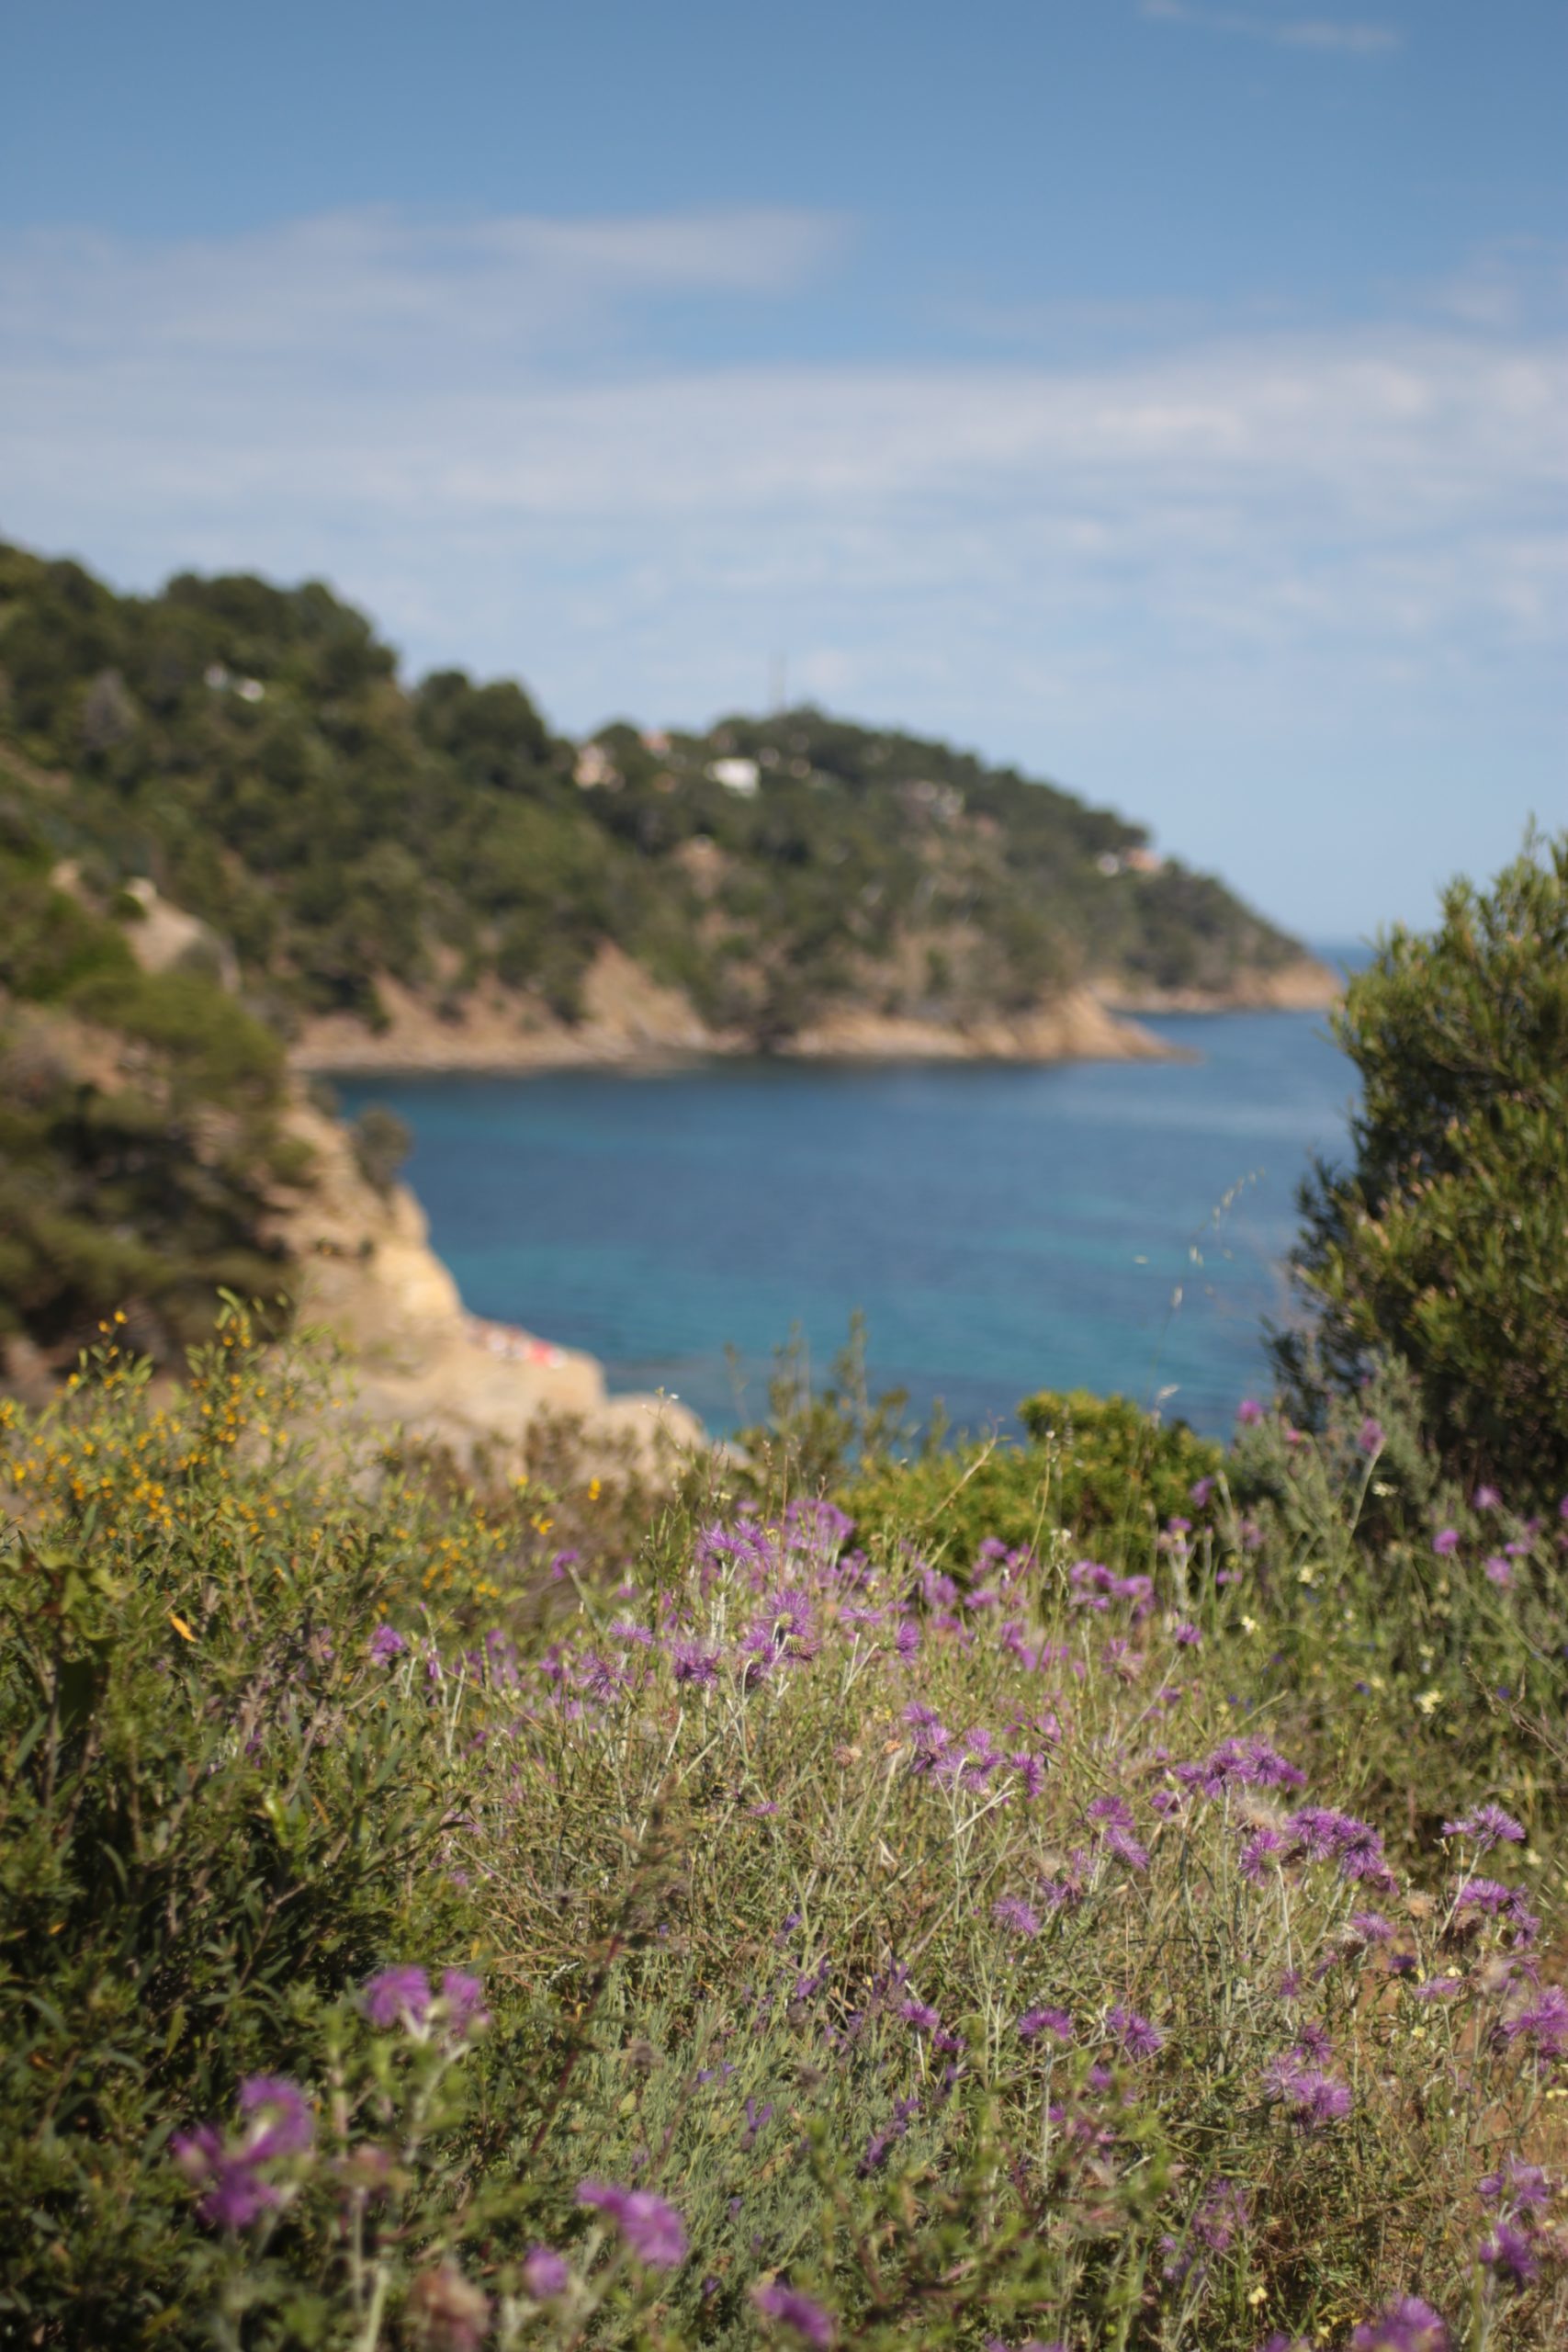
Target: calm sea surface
point(1109, 1226)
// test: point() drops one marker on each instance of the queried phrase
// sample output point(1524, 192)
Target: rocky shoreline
point(421, 1363)
point(632, 1022)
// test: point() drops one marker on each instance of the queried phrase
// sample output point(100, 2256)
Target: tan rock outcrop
point(420, 1363)
point(1303, 986)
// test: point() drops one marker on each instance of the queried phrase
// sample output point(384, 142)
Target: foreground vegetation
point(547, 1918)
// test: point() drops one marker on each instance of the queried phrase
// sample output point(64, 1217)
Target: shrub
point(1098, 1466)
point(1445, 1242)
point(381, 1142)
point(411, 1936)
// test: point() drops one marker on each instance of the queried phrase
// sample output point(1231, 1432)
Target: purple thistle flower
point(1508, 2255)
point(235, 2194)
point(1499, 1571)
point(1407, 2324)
point(1313, 2098)
point(1445, 1543)
point(1188, 1637)
point(385, 1643)
point(1011, 1911)
point(1487, 1825)
point(796, 2312)
point(1224, 2212)
point(1525, 2187)
point(1543, 2023)
point(1126, 1848)
point(1138, 2036)
point(1258, 1851)
point(544, 2274)
point(692, 1664)
point(1242, 1763)
point(1486, 1498)
point(1371, 1927)
point(653, 2231)
point(921, 2016)
point(1199, 1492)
point(463, 1997)
point(1249, 1412)
point(397, 1995)
point(1323, 1835)
point(1056, 2022)
point(1371, 1437)
point(285, 2126)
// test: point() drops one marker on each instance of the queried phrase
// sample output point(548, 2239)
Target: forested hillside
point(253, 751)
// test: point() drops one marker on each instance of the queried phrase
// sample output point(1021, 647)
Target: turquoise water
point(1002, 1228)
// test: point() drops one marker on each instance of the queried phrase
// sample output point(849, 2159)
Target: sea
point(998, 1229)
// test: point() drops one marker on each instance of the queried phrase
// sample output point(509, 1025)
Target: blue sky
point(1168, 396)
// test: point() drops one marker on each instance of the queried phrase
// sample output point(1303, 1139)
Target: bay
point(1114, 1225)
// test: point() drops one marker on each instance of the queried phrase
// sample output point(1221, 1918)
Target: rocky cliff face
point(629, 1018)
point(421, 1363)
point(1303, 986)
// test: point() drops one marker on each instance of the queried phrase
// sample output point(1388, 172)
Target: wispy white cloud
point(1328, 34)
point(347, 286)
point(494, 439)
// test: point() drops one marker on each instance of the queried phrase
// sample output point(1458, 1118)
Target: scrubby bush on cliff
point(411, 1935)
point(1445, 1242)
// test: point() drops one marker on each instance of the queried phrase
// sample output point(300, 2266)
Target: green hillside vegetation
point(253, 751)
point(140, 1143)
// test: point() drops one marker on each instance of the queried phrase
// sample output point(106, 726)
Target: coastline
point(633, 1022)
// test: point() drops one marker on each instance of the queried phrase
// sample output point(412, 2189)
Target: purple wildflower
point(1138, 2036)
point(1510, 2255)
point(1121, 1842)
point(1407, 2324)
point(1313, 2098)
point(1445, 1543)
point(1543, 2023)
point(1371, 1437)
point(463, 1997)
point(1056, 2022)
point(1487, 1898)
point(921, 2016)
point(1499, 1571)
point(1487, 1825)
point(692, 1664)
point(1258, 1851)
point(1486, 1498)
point(544, 2274)
point(1010, 1911)
point(1525, 2187)
point(235, 2194)
point(796, 2312)
point(1242, 1763)
point(653, 2231)
point(1199, 1492)
point(385, 1643)
point(1249, 1412)
point(285, 2125)
point(1323, 1835)
point(1371, 1927)
point(397, 1995)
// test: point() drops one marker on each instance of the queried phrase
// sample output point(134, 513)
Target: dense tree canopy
point(1446, 1240)
point(253, 748)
